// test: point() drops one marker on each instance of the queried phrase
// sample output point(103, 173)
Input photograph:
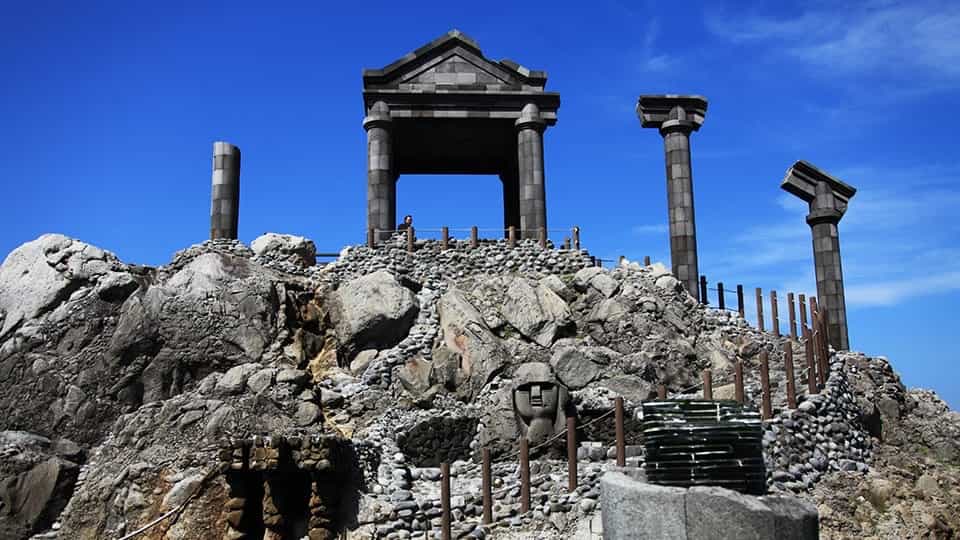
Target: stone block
point(641, 510)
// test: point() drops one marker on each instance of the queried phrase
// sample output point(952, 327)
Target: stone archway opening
point(452, 200)
point(447, 109)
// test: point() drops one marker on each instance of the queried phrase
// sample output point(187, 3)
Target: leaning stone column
point(532, 189)
point(828, 198)
point(381, 180)
point(225, 195)
point(676, 117)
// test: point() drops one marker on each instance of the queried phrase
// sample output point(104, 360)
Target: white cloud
point(914, 42)
point(650, 60)
point(888, 293)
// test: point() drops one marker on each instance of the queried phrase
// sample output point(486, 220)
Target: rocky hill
point(133, 393)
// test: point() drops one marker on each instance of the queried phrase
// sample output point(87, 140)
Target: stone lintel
point(503, 105)
point(802, 179)
point(654, 110)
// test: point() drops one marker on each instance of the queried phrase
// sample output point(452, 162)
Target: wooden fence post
point(788, 368)
point(740, 305)
point(576, 238)
point(703, 291)
point(646, 260)
point(444, 238)
point(512, 236)
point(766, 408)
point(774, 313)
point(474, 237)
point(410, 239)
point(445, 501)
point(793, 317)
point(721, 301)
point(542, 235)
point(707, 377)
point(759, 309)
point(524, 475)
point(486, 487)
point(571, 454)
point(621, 436)
point(802, 304)
point(371, 238)
point(566, 243)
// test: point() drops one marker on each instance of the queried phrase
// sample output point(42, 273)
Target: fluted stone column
point(828, 199)
point(532, 188)
point(225, 193)
point(676, 117)
point(381, 178)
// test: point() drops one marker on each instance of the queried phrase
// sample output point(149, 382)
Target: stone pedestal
point(381, 177)
point(225, 192)
point(633, 509)
point(532, 189)
point(676, 117)
point(828, 198)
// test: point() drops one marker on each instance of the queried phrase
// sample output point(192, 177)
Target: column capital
point(379, 116)
point(670, 112)
point(825, 194)
point(530, 119)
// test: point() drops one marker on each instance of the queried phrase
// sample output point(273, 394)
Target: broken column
point(676, 117)
point(532, 189)
point(381, 177)
point(225, 194)
point(828, 198)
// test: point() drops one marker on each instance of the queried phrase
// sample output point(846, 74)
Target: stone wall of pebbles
point(824, 433)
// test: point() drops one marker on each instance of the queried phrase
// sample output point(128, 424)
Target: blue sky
point(108, 112)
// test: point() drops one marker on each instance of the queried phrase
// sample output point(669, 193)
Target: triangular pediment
point(455, 69)
point(452, 62)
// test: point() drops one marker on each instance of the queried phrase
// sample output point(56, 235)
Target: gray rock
point(182, 490)
point(235, 378)
point(261, 380)
point(373, 311)
point(577, 366)
point(538, 313)
point(414, 375)
point(307, 413)
point(116, 286)
point(362, 360)
point(40, 275)
point(296, 249)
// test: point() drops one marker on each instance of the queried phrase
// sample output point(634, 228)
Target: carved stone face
point(539, 401)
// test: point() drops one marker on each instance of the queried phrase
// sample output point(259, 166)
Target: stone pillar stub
point(828, 198)
point(225, 191)
point(676, 117)
point(381, 176)
point(530, 172)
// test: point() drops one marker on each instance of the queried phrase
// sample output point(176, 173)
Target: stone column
point(225, 193)
point(381, 179)
point(828, 198)
point(532, 189)
point(676, 117)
